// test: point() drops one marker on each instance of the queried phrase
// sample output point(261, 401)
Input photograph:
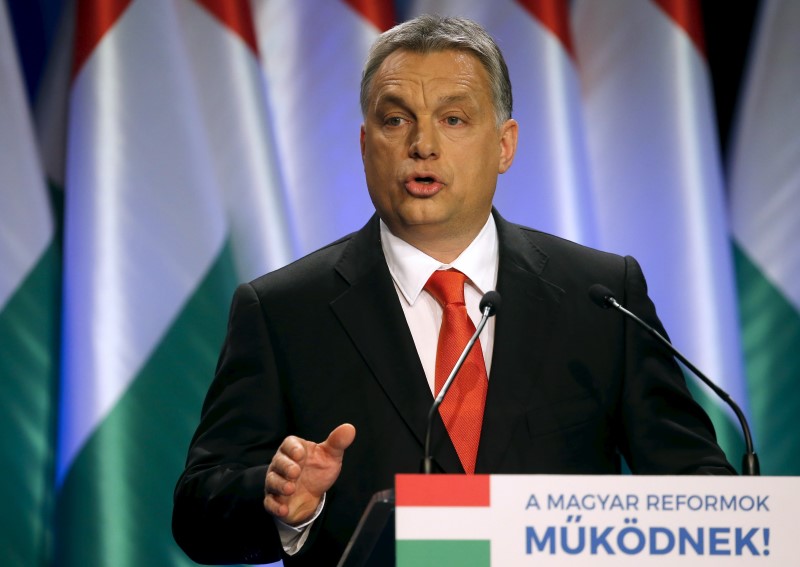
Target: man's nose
point(424, 141)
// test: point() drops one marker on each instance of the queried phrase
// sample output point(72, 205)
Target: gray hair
point(429, 34)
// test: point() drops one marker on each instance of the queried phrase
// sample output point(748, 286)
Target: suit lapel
point(371, 315)
point(522, 331)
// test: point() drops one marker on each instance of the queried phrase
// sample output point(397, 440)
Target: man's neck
point(444, 252)
point(443, 247)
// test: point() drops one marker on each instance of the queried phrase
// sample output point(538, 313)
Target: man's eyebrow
point(393, 99)
point(454, 98)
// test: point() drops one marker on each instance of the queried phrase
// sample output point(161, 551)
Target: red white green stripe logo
point(441, 520)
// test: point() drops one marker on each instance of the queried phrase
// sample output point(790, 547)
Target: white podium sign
point(556, 520)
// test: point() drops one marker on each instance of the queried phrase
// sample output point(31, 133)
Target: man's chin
point(419, 219)
point(418, 229)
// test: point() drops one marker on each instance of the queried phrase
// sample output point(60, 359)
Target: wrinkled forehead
point(450, 73)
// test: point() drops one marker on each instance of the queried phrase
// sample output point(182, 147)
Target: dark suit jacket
point(324, 341)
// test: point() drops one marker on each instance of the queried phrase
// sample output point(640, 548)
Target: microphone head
point(601, 295)
point(490, 299)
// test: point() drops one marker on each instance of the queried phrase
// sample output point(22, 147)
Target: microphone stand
point(750, 465)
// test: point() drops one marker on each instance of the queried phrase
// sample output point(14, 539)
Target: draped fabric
point(764, 177)
point(29, 255)
point(192, 144)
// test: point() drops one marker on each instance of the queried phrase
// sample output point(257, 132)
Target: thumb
point(339, 440)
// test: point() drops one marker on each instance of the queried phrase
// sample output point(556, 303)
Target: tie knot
point(446, 286)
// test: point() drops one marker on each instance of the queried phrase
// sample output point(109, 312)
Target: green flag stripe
point(771, 339)
point(436, 553)
point(115, 505)
point(28, 373)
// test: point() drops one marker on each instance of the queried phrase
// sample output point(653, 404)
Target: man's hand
point(302, 471)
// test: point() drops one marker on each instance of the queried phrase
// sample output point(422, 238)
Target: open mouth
point(423, 185)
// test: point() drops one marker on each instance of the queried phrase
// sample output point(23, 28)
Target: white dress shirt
point(411, 268)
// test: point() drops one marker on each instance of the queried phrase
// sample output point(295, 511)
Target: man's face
point(431, 146)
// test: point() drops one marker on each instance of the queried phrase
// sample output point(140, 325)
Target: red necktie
point(462, 408)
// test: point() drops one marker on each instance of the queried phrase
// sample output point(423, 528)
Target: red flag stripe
point(686, 13)
point(442, 490)
point(237, 16)
point(93, 19)
point(378, 12)
point(554, 15)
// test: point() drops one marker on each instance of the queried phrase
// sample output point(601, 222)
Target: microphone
point(604, 297)
point(490, 303)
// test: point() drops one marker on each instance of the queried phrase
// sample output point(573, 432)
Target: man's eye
point(394, 121)
point(453, 120)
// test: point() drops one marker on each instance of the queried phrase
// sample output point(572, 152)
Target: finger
point(294, 448)
point(339, 440)
point(278, 485)
point(275, 506)
point(284, 466)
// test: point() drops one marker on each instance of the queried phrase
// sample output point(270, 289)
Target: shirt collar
point(410, 267)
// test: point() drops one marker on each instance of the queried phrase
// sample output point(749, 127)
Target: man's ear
point(509, 133)
point(362, 141)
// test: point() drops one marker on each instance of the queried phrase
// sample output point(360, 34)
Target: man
point(346, 339)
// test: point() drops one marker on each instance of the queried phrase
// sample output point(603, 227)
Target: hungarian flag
point(196, 158)
point(29, 261)
point(204, 145)
point(173, 195)
point(312, 56)
point(443, 520)
point(657, 178)
point(765, 214)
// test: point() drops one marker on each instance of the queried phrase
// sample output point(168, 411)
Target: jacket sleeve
point(218, 513)
point(664, 430)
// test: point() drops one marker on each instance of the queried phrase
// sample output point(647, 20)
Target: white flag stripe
point(231, 91)
point(435, 523)
point(765, 172)
point(26, 226)
point(657, 174)
point(144, 219)
point(312, 53)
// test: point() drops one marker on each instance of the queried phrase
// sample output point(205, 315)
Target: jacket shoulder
point(316, 269)
point(560, 254)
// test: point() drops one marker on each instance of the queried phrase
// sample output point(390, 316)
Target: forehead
point(446, 70)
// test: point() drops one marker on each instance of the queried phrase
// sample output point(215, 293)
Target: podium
point(554, 520)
